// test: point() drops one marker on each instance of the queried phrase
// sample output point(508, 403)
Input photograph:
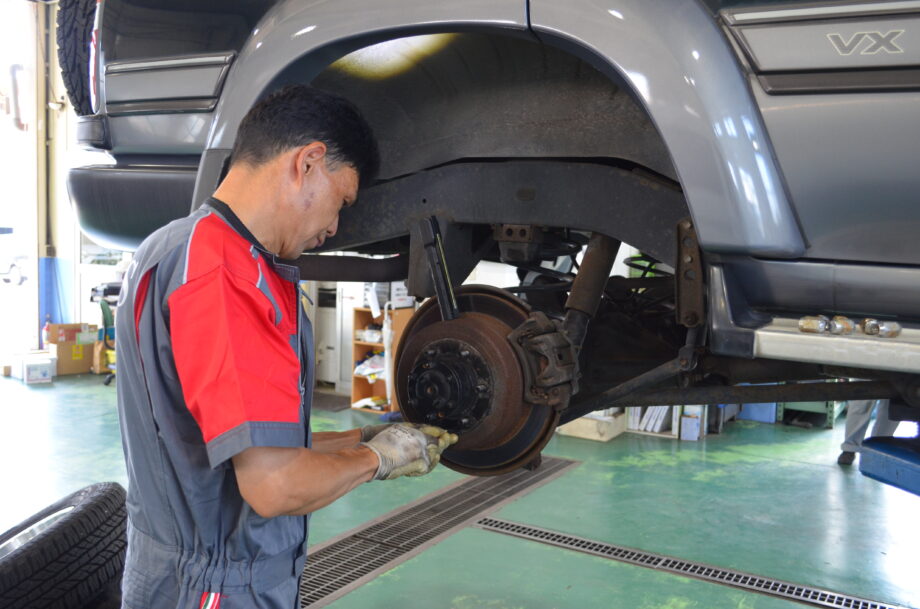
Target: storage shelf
point(369, 381)
point(361, 387)
point(658, 434)
point(371, 410)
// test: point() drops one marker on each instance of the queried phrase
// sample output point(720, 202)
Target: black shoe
point(846, 458)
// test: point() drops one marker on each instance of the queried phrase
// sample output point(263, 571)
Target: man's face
point(326, 190)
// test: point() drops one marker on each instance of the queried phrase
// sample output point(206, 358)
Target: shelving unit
point(830, 409)
point(361, 387)
point(676, 416)
point(668, 433)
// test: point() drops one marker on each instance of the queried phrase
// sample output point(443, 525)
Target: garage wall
point(19, 134)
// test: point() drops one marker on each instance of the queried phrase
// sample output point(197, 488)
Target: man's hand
point(369, 432)
point(407, 450)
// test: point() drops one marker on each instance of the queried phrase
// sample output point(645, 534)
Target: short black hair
point(297, 115)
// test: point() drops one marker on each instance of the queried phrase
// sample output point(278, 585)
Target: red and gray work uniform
point(215, 355)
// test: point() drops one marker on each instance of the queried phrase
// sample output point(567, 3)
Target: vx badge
point(875, 42)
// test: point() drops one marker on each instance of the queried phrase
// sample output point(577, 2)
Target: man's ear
point(309, 156)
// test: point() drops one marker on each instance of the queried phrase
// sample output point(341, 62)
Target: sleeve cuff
point(241, 437)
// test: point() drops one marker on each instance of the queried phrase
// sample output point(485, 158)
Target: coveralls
point(214, 356)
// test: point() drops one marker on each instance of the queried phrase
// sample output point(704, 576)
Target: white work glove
point(369, 432)
point(404, 450)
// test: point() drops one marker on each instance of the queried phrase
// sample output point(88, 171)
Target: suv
point(763, 157)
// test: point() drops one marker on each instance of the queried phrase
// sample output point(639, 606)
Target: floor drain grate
point(340, 565)
point(773, 587)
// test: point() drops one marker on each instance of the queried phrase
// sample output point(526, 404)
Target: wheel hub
point(451, 383)
point(463, 375)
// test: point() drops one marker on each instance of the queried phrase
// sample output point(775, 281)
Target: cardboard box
point(84, 334)
point(63, 333)
point(595, 426)
point(100, 363)
point(88, 337)
point(72, 357)
point(20, 367)
point(399, 295)
point(34, 367)
point(37, 371)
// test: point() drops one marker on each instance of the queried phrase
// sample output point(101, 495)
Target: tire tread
point(74, 560)
point(74, 34)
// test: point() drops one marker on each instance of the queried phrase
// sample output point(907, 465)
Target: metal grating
point(340, 565)
point(772, 587)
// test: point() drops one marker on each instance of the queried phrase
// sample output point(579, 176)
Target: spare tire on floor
point(66, 555)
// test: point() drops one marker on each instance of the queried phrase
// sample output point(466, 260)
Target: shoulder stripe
point(188, 245)
point(263, 287)
point(140, 298)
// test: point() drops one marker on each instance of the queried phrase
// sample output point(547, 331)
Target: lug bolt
point(814, 324)
point(889, 329)
point(464, 353)
point(841, 325)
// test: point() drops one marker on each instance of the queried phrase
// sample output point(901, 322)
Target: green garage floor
point(766, 499)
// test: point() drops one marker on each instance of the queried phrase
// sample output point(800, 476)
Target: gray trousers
point(859, 412)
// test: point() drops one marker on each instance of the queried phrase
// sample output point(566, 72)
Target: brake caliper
point(548, 360)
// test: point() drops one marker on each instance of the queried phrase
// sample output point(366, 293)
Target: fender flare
point(670, 53)
point(683, 71)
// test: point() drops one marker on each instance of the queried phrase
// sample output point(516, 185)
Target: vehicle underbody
point(504, 367)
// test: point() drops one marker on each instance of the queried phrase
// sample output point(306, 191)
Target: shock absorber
point(588, 287)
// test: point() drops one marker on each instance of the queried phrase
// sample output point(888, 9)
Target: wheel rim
point(31, 532)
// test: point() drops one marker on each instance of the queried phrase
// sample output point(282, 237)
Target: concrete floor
point(765, 499)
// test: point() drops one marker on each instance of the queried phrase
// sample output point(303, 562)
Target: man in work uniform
point(215, 372)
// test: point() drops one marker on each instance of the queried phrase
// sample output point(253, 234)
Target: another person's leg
point(883, 425)
point(859, 413)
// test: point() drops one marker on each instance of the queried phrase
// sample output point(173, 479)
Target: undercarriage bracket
point(688, 276)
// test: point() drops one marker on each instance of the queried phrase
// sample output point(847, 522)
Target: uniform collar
point(288, 269)
point(233, 220)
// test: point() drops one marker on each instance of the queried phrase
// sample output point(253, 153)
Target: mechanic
point(215, 372)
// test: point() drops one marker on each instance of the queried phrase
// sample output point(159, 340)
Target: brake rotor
point(464, 376)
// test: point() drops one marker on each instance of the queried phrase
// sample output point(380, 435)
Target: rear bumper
point(118, 206)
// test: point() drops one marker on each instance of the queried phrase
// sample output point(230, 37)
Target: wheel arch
point(312, 36)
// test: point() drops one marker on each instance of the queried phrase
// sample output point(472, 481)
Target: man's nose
point(331, 230)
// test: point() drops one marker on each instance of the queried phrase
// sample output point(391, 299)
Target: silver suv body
point(784, 138)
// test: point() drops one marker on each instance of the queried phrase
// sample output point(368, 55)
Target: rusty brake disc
point(464, 376)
